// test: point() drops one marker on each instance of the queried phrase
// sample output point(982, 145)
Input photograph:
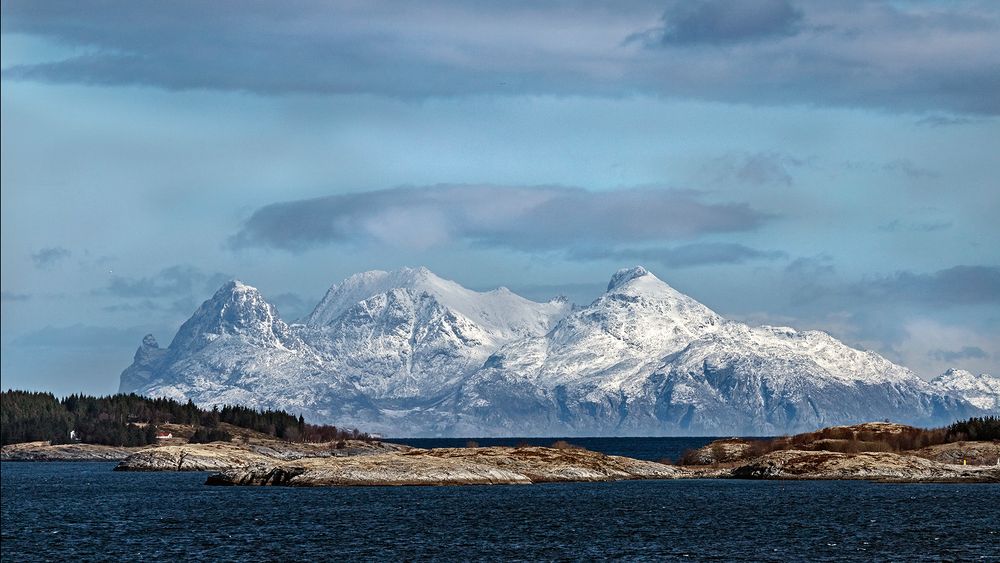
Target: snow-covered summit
point(982, 390)
point(626, 275)
point(499, 311)
point(237, 310)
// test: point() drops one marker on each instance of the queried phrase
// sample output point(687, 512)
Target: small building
point(164, 435)
point(74, 436)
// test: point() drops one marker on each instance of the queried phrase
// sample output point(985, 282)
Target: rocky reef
point(869, 466)
point(450, 466)
point(219, 456)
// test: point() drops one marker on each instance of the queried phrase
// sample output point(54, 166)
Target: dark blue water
point(653, 449)
point(84, 511)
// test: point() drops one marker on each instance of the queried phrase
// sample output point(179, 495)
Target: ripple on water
point(64, 511)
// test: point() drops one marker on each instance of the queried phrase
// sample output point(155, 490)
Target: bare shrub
point(564, 445)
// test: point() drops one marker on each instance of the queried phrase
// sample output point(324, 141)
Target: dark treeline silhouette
point(850, 440)
point(131, 420)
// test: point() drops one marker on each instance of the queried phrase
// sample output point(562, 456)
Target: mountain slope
point(644, 359)
point(982, 390)
point(409, 333)
point(409, 353)
point(235, 349)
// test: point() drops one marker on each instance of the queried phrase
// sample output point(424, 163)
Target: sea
point(83, 511)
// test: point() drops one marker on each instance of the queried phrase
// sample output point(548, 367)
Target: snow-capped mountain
point(409, 333)
point(409, 353)
point(645, 359)
point(982, 390)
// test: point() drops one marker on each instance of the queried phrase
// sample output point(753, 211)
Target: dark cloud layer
point(877, 54)
point(80, 335)
point(720, 22)
point(48, 257)
point(967, 352)
point(524, 218)
point(959, 285)
point(698, 254)
point(173, 281)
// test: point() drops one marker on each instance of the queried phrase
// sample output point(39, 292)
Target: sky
point(820, 165)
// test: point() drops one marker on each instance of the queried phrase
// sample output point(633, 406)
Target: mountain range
point(407, 353)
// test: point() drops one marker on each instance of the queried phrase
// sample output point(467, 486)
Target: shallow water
point(73, 511)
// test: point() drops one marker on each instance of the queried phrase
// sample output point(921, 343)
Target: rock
point(214, 456)
point(875, 466)
point(44, 451)
point(972, 453)
point(450, 466)
point(218, 456)
point(719, 451)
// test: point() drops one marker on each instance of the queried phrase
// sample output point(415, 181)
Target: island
point(244, 446)
point(858, 452)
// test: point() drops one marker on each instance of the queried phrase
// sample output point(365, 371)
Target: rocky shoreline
point(44, 451)
point(814, 456)
point(498, 465)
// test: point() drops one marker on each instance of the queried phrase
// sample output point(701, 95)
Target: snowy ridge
point(410, 353)
point(982, 390)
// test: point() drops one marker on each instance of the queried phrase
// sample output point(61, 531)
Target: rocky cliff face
point(145, 365)
point(409, 353)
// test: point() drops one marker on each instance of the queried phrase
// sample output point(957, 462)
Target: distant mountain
point(409, 353)
point(981, 390)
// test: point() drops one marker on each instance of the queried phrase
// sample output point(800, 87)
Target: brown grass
point(564, 445)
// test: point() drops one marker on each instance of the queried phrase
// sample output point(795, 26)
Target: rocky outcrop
point(871, 466)
point(719, 451)
point(450, 466)
point(962, 453)
point(218, 456)
point(215, 456)
point(44, 451)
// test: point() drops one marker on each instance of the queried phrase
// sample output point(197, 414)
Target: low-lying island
point(808, 456)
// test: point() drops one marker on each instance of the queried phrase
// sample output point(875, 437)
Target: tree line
point(845, 439)
point(131, 420)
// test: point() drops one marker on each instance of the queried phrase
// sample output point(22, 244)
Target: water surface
point(72, 511)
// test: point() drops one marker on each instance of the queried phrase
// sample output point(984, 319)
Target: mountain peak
point(235, 286)
point(626, 275)
point(236, 308)
point(981, 390)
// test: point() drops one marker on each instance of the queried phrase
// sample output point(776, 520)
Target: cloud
point(890, 55)
point(967, 352)
point(719, 22)
point(959, 285)
point(291, 306)
point(173, 281)
point(908, 168)
point(815, 281)
point(945, 120)
point(48, 257)
point(523, 218)
point(698, 254)
point(80, 336)
point(757, 169)
point(922, 320)
point(896, 225)
point(11, 296)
